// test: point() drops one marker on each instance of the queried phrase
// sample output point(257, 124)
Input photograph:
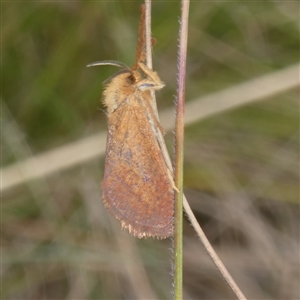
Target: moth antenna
point(108, 62)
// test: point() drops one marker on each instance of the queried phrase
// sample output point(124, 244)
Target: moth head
point(151, 81)
point(127, 82)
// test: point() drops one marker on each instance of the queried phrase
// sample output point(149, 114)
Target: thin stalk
point(179, 148)
point(149, 50)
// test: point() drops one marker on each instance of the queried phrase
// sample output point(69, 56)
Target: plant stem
point(179, 147)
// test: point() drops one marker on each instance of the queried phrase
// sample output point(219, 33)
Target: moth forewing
point(136, 186)
point(141, 201)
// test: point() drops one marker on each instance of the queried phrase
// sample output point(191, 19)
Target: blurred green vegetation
point(57, 241)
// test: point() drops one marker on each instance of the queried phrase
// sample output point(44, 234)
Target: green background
point(241, 166)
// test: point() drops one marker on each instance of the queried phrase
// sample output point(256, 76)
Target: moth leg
point(153, 75)
point(175, 188)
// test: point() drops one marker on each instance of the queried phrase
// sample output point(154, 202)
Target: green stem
point(179, 147)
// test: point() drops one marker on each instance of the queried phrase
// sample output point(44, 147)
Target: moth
point(137, 187)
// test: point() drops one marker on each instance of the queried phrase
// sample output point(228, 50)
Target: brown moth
point(137, 187)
